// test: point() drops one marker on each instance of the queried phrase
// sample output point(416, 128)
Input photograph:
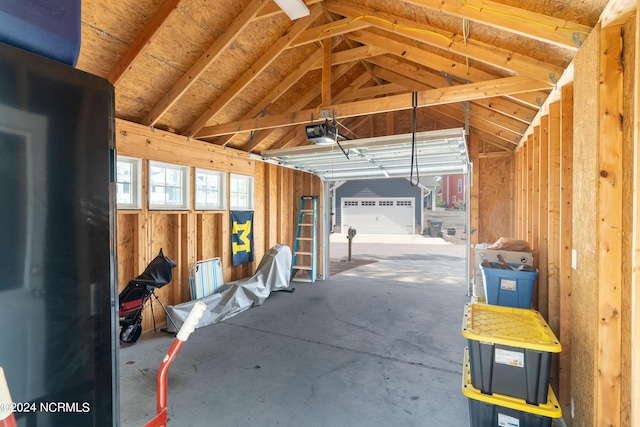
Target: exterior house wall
point(378, 188)
point(453, 189)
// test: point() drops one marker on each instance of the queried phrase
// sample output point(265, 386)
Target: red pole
point(189, 325)
point(162, 374)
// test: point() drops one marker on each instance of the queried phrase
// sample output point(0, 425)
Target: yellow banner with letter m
point(241, 237)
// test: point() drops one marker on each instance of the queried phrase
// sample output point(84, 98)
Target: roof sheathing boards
point(191, 27)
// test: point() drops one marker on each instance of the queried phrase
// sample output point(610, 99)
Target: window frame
point(185, 187)
point(136, 182)
point(250, 197)
point(221, 189)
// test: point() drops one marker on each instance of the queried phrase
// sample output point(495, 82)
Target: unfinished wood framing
point(634, 336)
point(553, 136)
point(191, 235)
point(609, 231)
point(565, 243)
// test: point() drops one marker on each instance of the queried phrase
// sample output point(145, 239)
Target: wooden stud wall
point(634, 334)
point(474, 188)
point(609, 230)
point(575, 177)
point(565, 242)
point(191, 235)
point(630, 122)
point(541, 178)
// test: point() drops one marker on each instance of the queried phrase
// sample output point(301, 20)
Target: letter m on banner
point(241, 237)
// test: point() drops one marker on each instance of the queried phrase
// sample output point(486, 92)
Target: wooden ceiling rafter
point(328, 31)
point(144, 38)
point(478, 120)
point(515, 127)
point(203, 63)
point(301, 103)
point(485, 89)
point(341, 96)
point(435, 62)
point(278, 91)
point(500, 105)
point(297, 135)
point(256, 68)
point(510, 61)
point(501, 149)
point(537, 26)
point(447, 51)
point(375, 91)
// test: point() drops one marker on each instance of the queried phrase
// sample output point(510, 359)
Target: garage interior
point(537, 102)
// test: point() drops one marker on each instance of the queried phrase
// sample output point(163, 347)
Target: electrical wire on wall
point(414, 154)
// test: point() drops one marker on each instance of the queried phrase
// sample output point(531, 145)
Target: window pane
point(128, 183)
point(168, 186)
point(124, 171)
point(157, 175)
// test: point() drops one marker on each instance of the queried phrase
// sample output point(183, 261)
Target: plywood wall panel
point(495, 194)
point(189, 235)
point(127, 248)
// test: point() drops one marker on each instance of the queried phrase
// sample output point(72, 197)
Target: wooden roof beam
point(327, 31)
point(446, 95)
point(256, 68)
point(374, 91)
point(502, 127)
point(350, 55)
point(207, 58)
point(537, 26)
point(502, 105)
point(436, 62)
point(145, 38)
point(279, 90)
point(298, 134)
point(309, 96)
point(315, 59)
point(507, 60)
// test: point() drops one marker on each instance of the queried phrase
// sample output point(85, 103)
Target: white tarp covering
point(273, 274)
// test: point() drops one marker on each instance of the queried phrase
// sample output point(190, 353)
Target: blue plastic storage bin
point(509, 288)
point(50, 28)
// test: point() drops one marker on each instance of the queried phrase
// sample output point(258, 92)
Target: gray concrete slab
point(377, 345)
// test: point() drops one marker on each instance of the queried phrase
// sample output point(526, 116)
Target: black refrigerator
point(58, 275)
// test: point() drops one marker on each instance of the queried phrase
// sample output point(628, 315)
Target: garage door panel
point(388, 215)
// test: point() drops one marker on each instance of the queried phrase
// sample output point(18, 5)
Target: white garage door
point(386, 215)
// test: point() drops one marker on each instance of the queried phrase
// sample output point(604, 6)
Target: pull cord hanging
point(414, 157)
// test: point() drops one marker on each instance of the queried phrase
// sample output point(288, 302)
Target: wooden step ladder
point(305, 247)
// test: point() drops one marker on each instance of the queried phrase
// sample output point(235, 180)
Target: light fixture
point(293, 8)
point(322, 133)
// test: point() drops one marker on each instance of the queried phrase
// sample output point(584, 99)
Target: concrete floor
point(376, 345)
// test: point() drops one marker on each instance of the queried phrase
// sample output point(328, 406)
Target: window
point(168, 186)
point(209, 190)
point(459, 186)
point(128, 188)
point(241, 192)
point(351, 203)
